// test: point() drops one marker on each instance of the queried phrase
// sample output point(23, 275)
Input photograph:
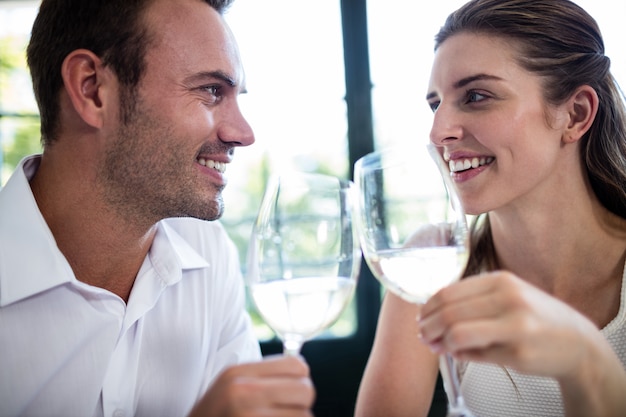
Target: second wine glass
point(304, 256)
point(413, 232)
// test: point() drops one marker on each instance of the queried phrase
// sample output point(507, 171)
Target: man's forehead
point(192, 41)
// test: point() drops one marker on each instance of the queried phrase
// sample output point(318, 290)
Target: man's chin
point(211, 211)
point(208, 211)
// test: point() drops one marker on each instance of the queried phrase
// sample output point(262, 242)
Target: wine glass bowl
point(413, 232)
point(304, 256)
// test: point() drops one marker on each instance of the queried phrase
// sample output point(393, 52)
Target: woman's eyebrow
point(478, 77)
point(467, 80)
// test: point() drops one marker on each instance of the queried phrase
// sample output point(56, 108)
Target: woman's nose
point(446, 126)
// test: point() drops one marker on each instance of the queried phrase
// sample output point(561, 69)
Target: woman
point(539, 323)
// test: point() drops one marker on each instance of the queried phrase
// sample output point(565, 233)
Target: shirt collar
point(170, 254)
point(31, 262)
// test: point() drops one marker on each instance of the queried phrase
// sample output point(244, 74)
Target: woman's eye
point(474, 97)
point(433, 105)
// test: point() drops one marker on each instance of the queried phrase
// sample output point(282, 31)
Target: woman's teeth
point(209, 163)
point(463, 164)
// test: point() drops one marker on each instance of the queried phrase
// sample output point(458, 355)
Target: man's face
point(169, 159)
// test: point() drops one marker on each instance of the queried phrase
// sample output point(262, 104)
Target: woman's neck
point(576, 253)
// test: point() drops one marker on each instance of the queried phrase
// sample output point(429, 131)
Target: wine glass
point(304, 256)
point(413, 232)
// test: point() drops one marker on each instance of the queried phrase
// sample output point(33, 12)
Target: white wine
point(416, 274)
point(302, 307)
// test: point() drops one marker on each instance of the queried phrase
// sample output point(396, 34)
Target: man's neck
point(102, 246)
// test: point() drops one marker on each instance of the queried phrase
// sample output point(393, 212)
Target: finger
point(274, 392)
point(507, 338)
point(462, 337)
point(475, 335)
point(292, 393)
point(439, 322)
point(290, 366)
point(469, 287)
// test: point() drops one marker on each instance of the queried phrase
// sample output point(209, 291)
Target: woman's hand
point(501, 319)
point(278, 386)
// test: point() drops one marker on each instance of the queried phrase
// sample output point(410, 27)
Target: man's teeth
point(463, 164)
point(209, 163)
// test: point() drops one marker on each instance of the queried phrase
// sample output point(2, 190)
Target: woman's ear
point(582, 108)
point(86, 81)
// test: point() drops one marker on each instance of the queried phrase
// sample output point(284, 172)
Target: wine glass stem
point(456, 404)
point(292, 347)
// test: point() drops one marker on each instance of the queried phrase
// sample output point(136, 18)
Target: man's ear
point(582, 108)
point(87, 83)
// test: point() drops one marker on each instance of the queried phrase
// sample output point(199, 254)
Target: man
point(115, 300)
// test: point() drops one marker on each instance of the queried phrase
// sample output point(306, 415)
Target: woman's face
point(492, 125)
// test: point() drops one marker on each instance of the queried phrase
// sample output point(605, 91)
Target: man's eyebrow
point(467, 80)
point(211, 75)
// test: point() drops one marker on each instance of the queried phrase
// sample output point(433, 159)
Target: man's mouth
point(209, 163)
point(464, 164)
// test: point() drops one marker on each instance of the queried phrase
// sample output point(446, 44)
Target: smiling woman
point(525, 85)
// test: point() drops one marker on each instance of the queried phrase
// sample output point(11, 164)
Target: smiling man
point(118, 295)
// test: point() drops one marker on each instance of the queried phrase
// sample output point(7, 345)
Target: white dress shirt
point(71, 349)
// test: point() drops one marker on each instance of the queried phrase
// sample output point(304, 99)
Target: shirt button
point(118, 413)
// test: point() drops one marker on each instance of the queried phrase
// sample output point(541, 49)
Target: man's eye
point(211, 92)
point(433, 105)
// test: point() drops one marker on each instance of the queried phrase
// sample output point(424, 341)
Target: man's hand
point(277, 386)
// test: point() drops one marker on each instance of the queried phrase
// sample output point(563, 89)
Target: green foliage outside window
point(19, 122)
